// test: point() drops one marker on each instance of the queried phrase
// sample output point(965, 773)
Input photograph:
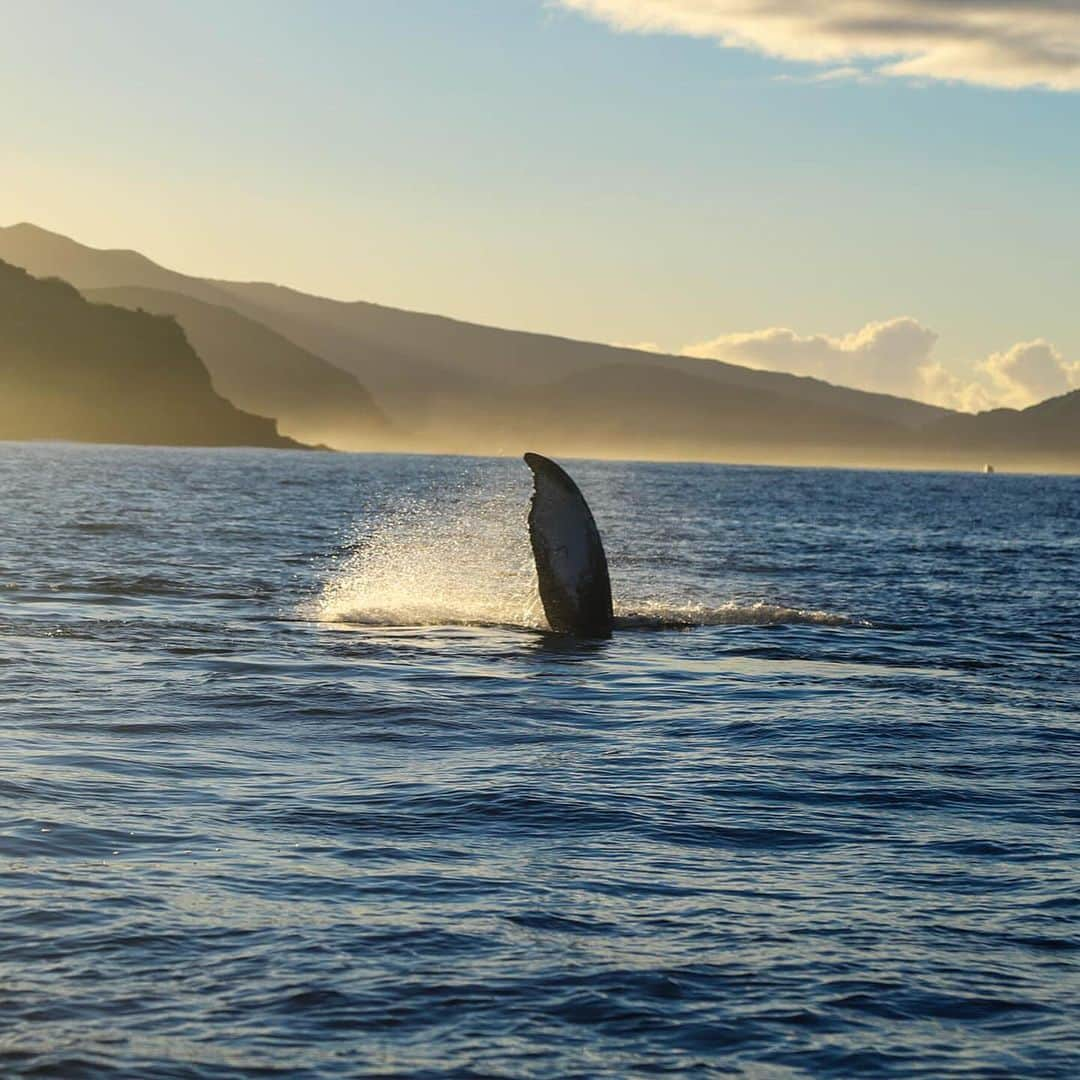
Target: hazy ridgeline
point(70, 369)
point(359, 376)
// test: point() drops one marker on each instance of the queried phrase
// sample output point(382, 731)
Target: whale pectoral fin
point(571, 567)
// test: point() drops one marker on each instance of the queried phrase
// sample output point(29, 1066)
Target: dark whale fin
point(571, 566)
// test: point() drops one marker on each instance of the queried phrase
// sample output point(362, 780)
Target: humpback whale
point(571, 566)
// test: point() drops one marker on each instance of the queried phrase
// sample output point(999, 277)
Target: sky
point(881, 194)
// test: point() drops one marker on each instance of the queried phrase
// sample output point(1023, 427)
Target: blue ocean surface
point(294, 784)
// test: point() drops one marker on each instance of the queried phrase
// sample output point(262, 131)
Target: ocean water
point(294, 784)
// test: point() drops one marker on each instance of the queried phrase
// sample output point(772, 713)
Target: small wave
point(648, 616)
point(104, 528)
point(660, 616)
point(429, 614)
point(133, 587)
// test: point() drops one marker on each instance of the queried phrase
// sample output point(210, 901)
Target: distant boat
point(988, 469)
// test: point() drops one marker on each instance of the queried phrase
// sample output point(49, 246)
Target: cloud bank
point(895, 357)
point(1001, 43)
point(1031, 371)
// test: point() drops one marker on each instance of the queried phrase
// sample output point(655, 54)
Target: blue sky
point(524, 164)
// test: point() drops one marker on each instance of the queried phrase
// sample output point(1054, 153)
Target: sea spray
point(461, 557)
point(438, 563)
point(423, 565)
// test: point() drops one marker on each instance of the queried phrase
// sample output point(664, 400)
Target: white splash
point(652, 615)
point(466, 561)
point(434, 565)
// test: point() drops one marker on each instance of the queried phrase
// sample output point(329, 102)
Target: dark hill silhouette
point(265, 373)
point(70, 369)
point(429, 372)
point(48, 254)
point(636, 408)
point(361, 337)
point(448, 385)
point(1046, 435)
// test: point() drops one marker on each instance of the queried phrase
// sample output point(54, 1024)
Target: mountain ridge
point(396, 351)
point(262, 372)
point(542, 348)
point(72, 369)
point(449, 385)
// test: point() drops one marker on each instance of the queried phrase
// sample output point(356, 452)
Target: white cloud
point(940, 386)
point(639, 346)
point(1002, 43)
point(1030, 371)
point(882, 356)
point(847, 73)
point(894, 357)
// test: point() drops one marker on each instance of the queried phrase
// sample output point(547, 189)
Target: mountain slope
point(48, 254)
point(251, 365)
point(70, 369)
point(261, 371)
point(359, 336)
point(1043, 435)
point(426, 370)
point(633, 409)
point(454, 386)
